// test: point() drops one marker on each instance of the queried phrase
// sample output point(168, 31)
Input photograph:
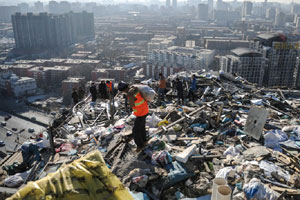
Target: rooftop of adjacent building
point(73, 80)
point(22, 66)
point(81, 61)
point(57, 60)
point(268, 38)
point(246, 52)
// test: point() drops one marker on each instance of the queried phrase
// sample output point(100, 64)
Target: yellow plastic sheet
point(86, 178)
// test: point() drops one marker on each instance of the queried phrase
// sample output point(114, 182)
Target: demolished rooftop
point(236, 135)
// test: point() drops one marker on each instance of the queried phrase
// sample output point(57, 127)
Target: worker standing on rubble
point(193, 89)
point(93, 91)
point(179, 88)
point(103, 90)
point(75, 96)
point(140, 109)
point(81, 93)
point(109, 86)
point(161, 88)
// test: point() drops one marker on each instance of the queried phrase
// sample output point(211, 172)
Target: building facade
point(247, 8)
point(282, 56)
point(6, 12)
point(203, 11)
point(246, 63)
point(189, 58)
point(161, 42)
point(17, 86)
point(44, 31)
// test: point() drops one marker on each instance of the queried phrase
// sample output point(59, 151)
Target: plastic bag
point(153, 120)
point(258, 191)
point(225, 172)
point(16, 180)
point(273, 138)
point(269, 167)
point(233, 151)
point(147, 92)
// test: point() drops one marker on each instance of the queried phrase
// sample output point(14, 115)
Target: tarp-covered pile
point(85, 178)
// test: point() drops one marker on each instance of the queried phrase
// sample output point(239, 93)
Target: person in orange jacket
point(140, 109)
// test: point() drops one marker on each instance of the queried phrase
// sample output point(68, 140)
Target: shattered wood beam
point(181, 119)
point(32, 172)
point(187, 138)
point(272, 107)
point(289, 191)
point(98, 117)
point(281, 94)
point(206, 157)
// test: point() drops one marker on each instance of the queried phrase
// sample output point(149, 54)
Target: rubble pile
point(236, 141)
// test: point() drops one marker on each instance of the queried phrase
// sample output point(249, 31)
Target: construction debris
point(236, 141)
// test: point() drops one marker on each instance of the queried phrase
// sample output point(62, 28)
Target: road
point(15, 122)
point(8, 104)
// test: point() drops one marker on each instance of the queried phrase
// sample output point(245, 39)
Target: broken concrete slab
point(256, 120)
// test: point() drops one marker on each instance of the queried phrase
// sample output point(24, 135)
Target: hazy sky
point(115, 1)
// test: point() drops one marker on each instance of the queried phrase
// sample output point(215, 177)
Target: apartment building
point(246, 63)
point(189, 58)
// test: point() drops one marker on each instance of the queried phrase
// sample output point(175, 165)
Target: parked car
point(2, 143)
point(8, 133)
point(14, 129)
point(30, 130)
point(3, 123)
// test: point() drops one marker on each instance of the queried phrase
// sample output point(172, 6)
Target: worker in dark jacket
point(75, 96)
point(93, 92)
point(103, 90)
point(179, 88)
point(81, 93)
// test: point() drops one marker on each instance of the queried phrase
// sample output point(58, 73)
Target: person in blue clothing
point(192, 89)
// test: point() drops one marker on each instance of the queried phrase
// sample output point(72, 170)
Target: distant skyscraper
point(202, 11)
point(174, 3)
point(168, 3)
point(210, 5)
point(24, 7)
point(295, 8)
point(38, 6)
point(247, 8)
point(53, 7)
point(271, 13)
point(222, 5)
point(45, 32)
point(6, 12)
point(64, 6)
point(280, 19)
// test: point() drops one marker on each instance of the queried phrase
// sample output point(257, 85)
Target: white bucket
point(223, 193)
point(216, 183)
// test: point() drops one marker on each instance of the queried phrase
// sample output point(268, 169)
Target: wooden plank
point(289, 191)
point(8, 190)
point(187, 138)
point(182, 119)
